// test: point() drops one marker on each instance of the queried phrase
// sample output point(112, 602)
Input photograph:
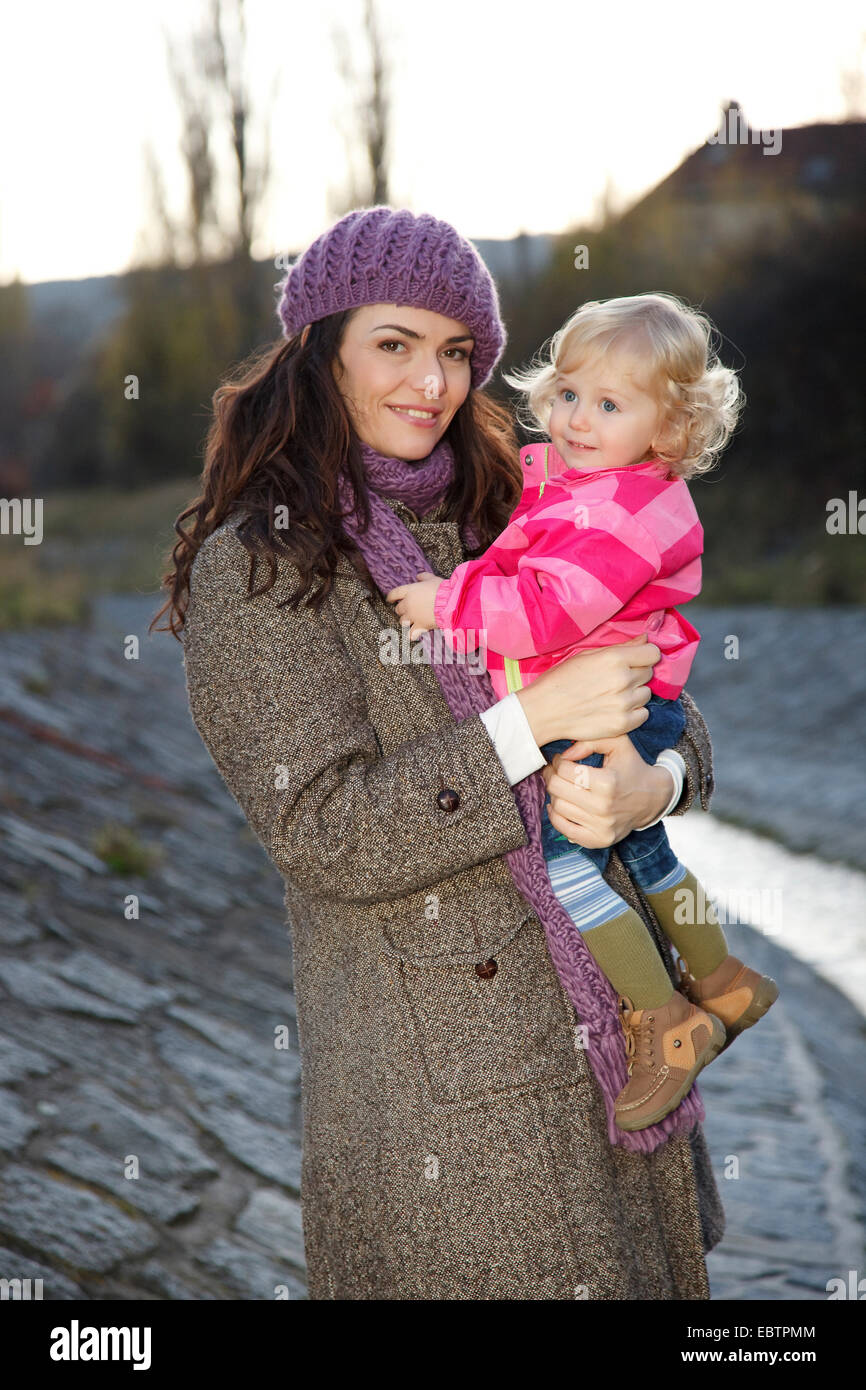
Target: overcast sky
point(508, 115)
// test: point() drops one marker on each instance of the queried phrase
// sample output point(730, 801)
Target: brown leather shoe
point(732, 992)
point(666, 1047)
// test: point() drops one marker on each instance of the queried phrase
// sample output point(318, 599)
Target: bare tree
point(607, 204)
point(367, 134)
point(228, 73)
point(208, 73)
point(196, 109)
point(156, 241)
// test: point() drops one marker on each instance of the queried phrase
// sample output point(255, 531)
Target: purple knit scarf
point(394, 557)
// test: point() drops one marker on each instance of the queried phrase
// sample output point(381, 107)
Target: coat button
point(527, 462)
point(486, 969)
point(448, 799)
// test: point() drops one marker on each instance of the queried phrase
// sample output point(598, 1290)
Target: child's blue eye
point(610, 403)
point(567, 392)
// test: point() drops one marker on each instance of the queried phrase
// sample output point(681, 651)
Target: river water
point(783, 692)
point(814, 909)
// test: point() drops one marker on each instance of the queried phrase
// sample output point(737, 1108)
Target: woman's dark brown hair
point(280, 435)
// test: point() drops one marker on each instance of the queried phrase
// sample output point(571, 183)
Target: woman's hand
point(598, 693)
point(597, 806)
point(414, 602)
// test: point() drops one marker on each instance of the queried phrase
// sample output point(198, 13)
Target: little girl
point(603, 544)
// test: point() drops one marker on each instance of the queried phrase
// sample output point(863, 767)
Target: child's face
point(601, 417)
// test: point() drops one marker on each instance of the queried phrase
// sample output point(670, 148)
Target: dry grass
point(101, 541)
point(94, 542)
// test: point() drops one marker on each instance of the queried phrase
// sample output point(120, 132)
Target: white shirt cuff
point(511, 736)
point(670, 759)
point(519, 754)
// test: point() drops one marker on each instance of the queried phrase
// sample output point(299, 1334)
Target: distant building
point(746, 184)
point(520, 257)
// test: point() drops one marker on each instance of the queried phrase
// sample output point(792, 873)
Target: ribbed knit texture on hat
point(384, 255)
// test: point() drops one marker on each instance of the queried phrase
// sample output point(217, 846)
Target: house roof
point(827, 159)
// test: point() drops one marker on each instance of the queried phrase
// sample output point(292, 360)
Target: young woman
point(460, 1049)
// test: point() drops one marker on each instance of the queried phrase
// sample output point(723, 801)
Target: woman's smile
point(421, 417)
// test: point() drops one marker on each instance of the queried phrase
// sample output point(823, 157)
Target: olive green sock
point(628, 956)
point(687, 916)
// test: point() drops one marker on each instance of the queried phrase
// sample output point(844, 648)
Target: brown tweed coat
point(454, 1138)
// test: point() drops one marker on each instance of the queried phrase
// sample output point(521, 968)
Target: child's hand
point(583, 747)
point(414, 602)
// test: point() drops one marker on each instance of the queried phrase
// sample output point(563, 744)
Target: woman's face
point(403, 373)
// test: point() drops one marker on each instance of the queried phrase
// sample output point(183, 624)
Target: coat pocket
point(486, 1022)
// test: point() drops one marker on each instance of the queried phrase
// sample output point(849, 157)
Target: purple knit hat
point(391, 256)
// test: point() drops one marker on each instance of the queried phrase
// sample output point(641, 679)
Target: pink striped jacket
point(587, 559)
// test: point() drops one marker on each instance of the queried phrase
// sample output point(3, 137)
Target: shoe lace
point(685, 978)
point(638, 1036)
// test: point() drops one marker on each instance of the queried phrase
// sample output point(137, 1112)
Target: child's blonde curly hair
point(677, 364)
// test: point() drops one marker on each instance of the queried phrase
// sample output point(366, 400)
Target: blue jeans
point(646, 854)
